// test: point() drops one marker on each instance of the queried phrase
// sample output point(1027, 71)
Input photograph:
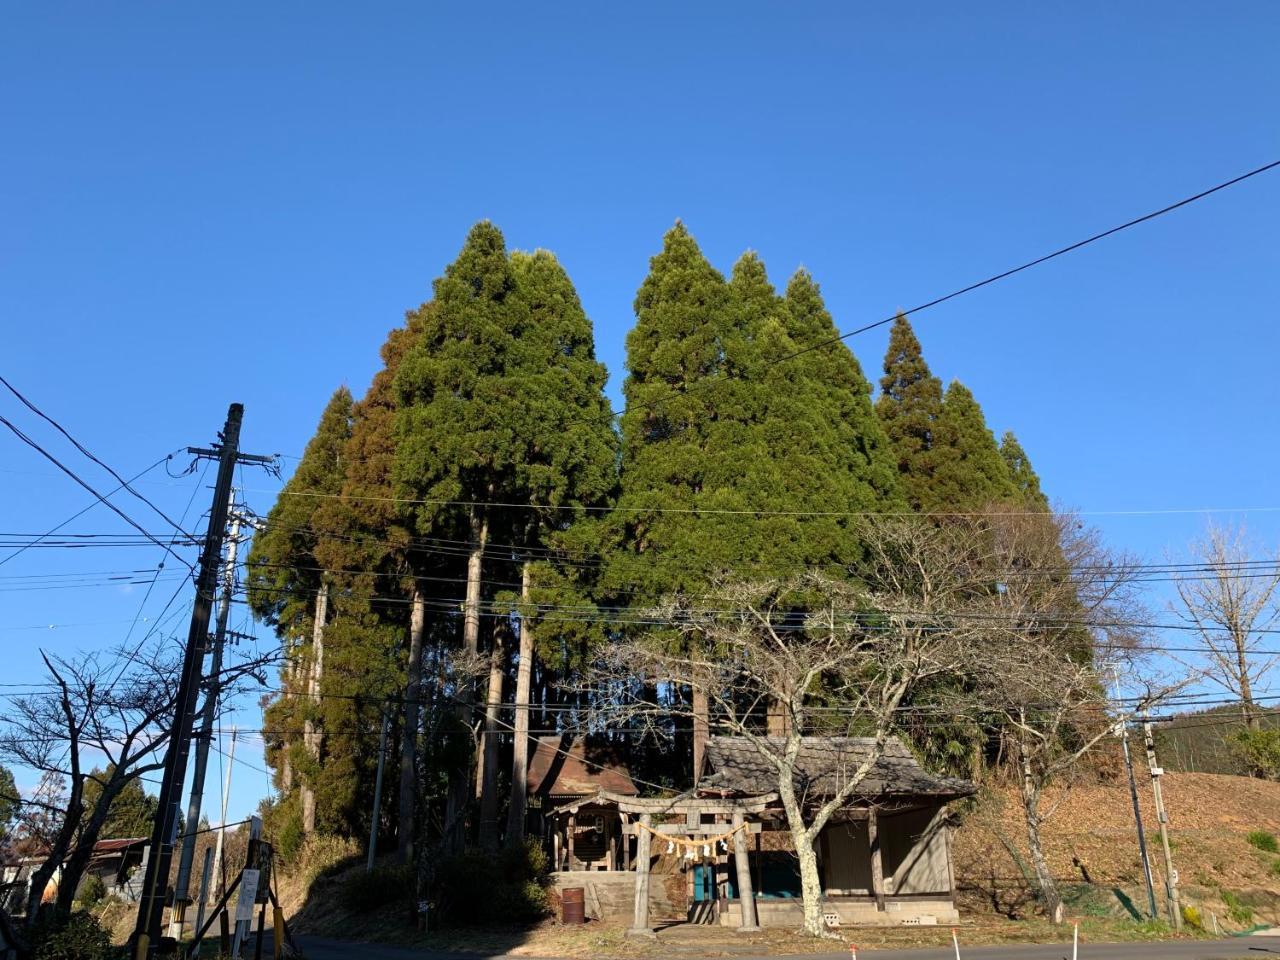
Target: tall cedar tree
point(910, 408)
point(377, 641)
point(496, 398)
point(285, 583)
point(1025, 479)
point(717, 429)
point(569, 461)
point(973, 475)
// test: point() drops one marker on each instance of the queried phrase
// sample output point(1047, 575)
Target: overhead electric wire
point(102, 499)
point(125, 484)
point(75, 516)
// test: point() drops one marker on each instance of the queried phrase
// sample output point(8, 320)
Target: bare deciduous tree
point(114, 709)
point(1232, 600)
point(1061, 610)
point(833, 656)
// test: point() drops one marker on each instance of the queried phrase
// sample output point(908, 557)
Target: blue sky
point(236, 202)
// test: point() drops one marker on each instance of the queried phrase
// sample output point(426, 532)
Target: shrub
point(484, 888)
point(1275, 868)
point(1259, 750)
point(77, 936)
point(1264, 841)
point(282, 825)
point(1191, 917)
point(1236, 910)
point(380, 887)
point(92, 890)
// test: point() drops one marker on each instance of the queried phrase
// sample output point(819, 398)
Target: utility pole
point(147, 929)
point(1122, 731)
point(377, 791)
point(213, 688)
point(1170, 874)
point(222, 828)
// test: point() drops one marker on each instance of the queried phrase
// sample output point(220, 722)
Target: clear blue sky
point(236, 202)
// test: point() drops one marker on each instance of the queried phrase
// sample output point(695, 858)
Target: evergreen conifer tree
point(910, 408)
point(288, 589)
point(973, 475)
point(569, 462)
point(1024, 477)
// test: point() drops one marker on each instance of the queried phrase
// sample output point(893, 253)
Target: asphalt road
point(1256, 947)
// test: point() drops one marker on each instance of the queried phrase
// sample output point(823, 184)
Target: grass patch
point(1238, 911)
point(1263, 840)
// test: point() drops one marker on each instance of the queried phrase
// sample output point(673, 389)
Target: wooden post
point(573, 824)
point(640, 919)
point(626, 844)
point(877, 864)
point(746, 896)
point(555, 842)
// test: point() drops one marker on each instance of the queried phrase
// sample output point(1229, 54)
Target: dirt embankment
point(1091, 839)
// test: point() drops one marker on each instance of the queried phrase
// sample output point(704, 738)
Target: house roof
point(824, 764)
point(105, 848)
point(561, 767)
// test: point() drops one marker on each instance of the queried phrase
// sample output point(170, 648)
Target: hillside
point(1091, 839)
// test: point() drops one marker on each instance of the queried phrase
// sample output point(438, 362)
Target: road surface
point(1241, 947)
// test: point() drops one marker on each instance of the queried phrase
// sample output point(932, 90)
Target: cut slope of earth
point(1091, 839)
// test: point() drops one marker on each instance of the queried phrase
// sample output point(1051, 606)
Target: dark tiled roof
point(823, 766)
point(561, 767)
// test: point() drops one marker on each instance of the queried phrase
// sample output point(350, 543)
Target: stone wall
point(612, 895)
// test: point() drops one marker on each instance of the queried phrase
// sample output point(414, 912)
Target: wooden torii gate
point(692, 809)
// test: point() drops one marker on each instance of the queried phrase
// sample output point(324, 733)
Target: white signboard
point(248, 893)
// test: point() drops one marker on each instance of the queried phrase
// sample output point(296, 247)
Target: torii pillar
point(640, 919)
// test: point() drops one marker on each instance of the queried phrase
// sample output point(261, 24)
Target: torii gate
point(692, 809)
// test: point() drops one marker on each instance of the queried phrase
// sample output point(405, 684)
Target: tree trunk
point(520, 742)
point(310, 729)
point(802, 839)
point(57, 850)
point(1049, 895)
point(81, 853)
point(460, 780)
point(489, 748)
point(1246, 689)
point(701, 730)
point(409, 735)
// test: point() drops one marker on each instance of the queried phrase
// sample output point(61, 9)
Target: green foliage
point(717, 429)
point(477, 889)
point(1259, 750)
point(283, 572)
point(971, 474)
point(92, 889)
point(1025, 480)
point(381, 887)
point(1275, 868)
point(910, 408)
point(1263, 840)
point(282, 825)
point(77, 936)
point(9, 805)
point(1237, 910)
point(132, 812)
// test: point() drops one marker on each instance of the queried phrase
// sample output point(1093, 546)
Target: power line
point(994, 278)
point(75, 516)
point(76, 477)
point(79, 446)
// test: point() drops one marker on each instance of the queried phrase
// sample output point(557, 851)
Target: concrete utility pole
point(1170, 874)
point(145, 941)
point(1122, 731)
point(222, 824)
point(186, 856)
